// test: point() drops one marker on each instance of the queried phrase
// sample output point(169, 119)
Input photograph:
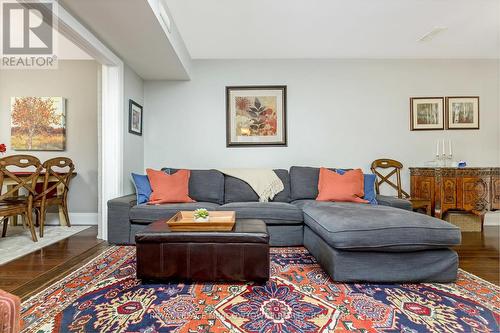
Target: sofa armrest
point(395, 202)
point(119, 219)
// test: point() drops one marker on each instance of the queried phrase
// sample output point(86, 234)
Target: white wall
point(133, 145)
point(341, 113)
point(77, 81)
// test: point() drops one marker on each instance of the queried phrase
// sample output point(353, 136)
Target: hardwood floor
point(479, 255)
point(34, 271)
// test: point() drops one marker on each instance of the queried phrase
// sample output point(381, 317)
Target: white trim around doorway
point(110, 112)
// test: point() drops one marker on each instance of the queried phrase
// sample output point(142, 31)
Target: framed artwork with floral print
point(256, 116)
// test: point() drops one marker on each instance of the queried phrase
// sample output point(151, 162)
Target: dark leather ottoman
point(238, 255)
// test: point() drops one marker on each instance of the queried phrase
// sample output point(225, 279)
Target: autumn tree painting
point(38, 123)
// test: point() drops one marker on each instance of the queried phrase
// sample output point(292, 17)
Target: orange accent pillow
point(335, 187)
point(169, 188)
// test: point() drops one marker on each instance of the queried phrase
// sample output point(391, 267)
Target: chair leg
point(41, 218)
point(37, 218)
point(5, 221)
point(25, 221)
point(66, 214)
point(31, 225)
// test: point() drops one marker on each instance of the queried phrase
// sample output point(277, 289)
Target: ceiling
point(243, 29)
point(133, 31)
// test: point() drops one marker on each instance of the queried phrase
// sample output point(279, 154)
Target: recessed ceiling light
point(431, 34)
point(164, 15)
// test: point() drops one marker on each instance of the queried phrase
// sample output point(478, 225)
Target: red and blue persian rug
point(104, 296)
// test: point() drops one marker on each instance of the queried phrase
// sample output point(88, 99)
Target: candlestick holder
point(444, 160)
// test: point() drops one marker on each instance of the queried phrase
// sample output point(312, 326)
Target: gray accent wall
point(341, 113)
point(133, 145)
point(77, 81)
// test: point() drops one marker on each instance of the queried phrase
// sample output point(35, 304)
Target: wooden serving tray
point(218, 221)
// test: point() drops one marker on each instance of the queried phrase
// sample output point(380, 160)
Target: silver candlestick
point(444, 160)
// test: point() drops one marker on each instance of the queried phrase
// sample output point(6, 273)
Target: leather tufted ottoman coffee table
point(238, 255)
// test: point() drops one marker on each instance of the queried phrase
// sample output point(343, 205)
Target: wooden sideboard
point(475, 190)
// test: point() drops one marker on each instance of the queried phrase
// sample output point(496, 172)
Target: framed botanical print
point(426, 113)
point(134, 118)
point(462, 112)
point(256, 116)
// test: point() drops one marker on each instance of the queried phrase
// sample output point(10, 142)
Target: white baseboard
point(492, 218)
point(75, 218)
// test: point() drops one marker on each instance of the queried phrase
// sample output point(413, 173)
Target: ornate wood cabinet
point(475, 190)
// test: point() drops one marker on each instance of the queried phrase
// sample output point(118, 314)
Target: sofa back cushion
point(204, 185)
point(236, 190)
point(304, 182)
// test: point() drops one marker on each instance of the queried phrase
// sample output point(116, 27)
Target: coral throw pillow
point(169, 188)
point(335, 187)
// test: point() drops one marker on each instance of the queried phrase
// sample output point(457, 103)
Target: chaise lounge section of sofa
point(353, 242)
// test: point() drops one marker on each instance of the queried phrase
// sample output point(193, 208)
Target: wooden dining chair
point(11, 203)
point(58, 173)
point(396, 166)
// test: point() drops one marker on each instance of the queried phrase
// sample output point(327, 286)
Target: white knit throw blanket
point(264, 182)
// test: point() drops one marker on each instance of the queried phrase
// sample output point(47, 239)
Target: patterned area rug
point(104, 296)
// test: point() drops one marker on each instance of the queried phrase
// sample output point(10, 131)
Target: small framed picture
point(426, 113)
point(256, 116)
point(134, 118)
point(462, 112)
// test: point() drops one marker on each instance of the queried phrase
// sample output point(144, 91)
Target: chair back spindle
point(60, 168)
point(27, 182)
point(395, 169)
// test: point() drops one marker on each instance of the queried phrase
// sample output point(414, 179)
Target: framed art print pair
point(438, 113)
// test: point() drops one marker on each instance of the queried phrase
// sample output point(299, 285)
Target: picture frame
point(134, 118)
point(256, 116)
point(462, 112)
point(38, 123)
point(426, 113)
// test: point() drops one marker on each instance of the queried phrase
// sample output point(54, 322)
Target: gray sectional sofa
point(353, 242)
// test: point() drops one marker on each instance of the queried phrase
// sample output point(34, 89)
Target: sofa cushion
point(304, 202)
point(394, 202)
point(346, 187)
point(204, 185)
point(350, 226)
point(369, 180)
point(142, 187)
point(237, 190)
point(145, 214)
point(270, 212)
point(303, 182)
point(169, 188)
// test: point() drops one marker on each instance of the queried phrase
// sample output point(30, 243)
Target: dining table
point(10, 183)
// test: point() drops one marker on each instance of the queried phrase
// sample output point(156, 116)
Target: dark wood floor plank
point(36, 265)
point(46, 279)
point(479, 253)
